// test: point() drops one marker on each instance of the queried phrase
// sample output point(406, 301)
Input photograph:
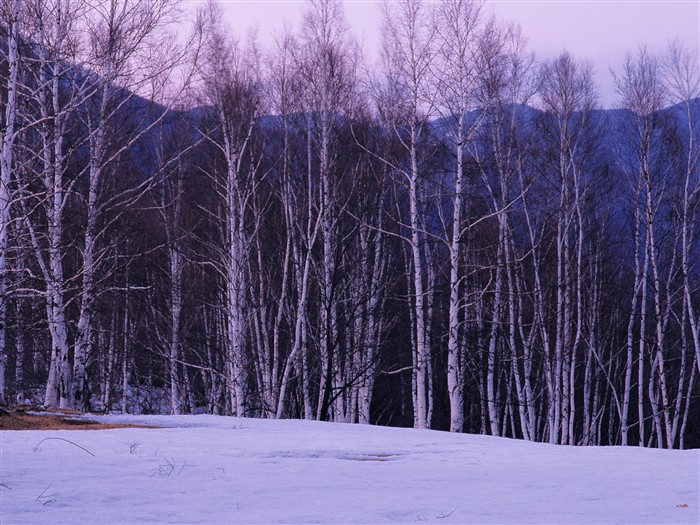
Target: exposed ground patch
point(19, 418)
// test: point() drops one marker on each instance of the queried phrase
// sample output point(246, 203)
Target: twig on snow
point(36, 448)
point(41, 496)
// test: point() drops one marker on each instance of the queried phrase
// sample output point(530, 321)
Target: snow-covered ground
point(207, 469)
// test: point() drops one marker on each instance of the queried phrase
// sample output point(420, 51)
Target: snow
point(209, 469)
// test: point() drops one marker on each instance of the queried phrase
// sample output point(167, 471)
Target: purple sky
point(601, 31)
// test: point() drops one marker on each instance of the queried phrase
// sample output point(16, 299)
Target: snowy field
point(207, 469)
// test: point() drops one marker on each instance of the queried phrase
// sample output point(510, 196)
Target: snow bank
point(208, 469)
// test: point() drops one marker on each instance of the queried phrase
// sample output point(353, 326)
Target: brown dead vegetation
point(18, 418)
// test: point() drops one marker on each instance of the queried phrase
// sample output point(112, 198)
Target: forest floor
point(36, 418)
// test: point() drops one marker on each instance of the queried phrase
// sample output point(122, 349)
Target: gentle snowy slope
point(207, 469)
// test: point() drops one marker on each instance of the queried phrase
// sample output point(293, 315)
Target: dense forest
point(454, 237)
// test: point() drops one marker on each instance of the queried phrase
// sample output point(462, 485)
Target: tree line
point(455, 237)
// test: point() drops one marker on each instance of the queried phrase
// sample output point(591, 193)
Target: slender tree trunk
point(630, 331)
point(87, 294)
point(491, 375)
point(455, 383)
point(419, 310)
point(7, 141)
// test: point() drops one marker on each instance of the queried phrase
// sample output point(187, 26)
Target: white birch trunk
point(455, 382)
point(20, 359)
point(7, 141)
point(624, 424)
point(642, 344)
point(59, 377)
point(299, 340)
point(87, 294)
point(422, 351)
point(491, 376)
point(176, 263)
point(303, 278)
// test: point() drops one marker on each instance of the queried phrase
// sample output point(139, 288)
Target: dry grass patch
point(17, 418)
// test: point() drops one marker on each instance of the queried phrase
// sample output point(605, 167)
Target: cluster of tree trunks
point(456, 238)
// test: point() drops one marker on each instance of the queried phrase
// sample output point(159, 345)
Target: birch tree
point(509, 86)
point(8, 135)
point(643, 93)
point(682, 78)
point(408, 53)
point(302, 225)
point(326, 67)
point(681, 72)
point(569, 97)
point(57, 95)
point(459, 28)
point(233, 90)
point(125, 37)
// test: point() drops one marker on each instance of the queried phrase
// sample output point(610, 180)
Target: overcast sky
point(601, 31)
